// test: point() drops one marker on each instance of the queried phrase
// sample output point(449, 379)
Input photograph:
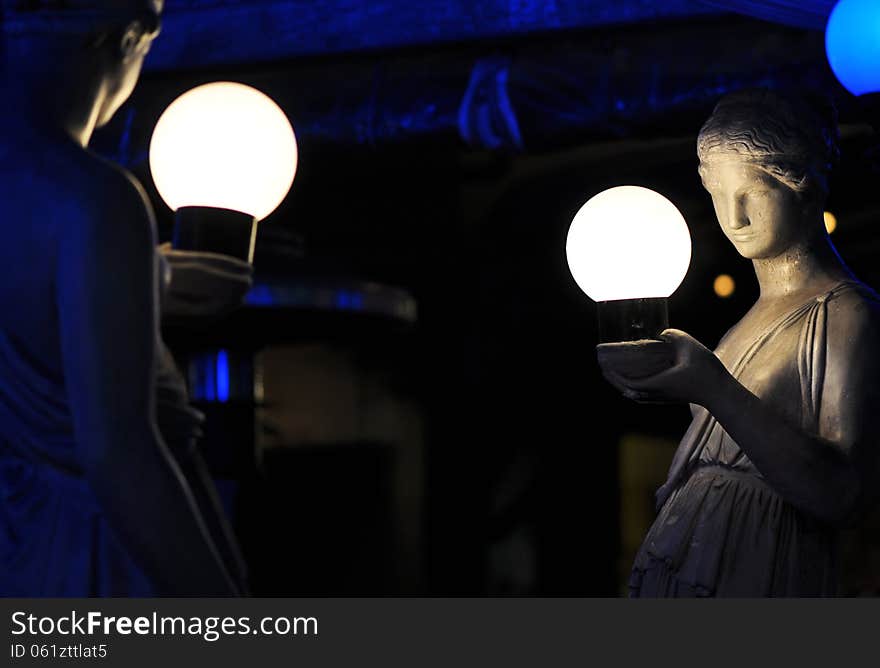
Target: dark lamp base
point(223, 231)
point(632, 319)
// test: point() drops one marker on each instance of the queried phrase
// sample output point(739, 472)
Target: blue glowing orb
point(852, 42)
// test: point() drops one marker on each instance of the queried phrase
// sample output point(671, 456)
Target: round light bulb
point(224, 145)
point(628, 243)
point(852, 43)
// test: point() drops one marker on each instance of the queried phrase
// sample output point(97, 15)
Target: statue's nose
point(736, 216)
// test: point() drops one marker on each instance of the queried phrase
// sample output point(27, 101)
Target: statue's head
point(108, 37)
point(766, 157)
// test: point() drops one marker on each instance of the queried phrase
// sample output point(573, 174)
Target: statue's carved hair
point(792, 137)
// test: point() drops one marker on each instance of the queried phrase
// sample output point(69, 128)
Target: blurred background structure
point(409, 403)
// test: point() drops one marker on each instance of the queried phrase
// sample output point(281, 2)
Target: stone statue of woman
point(784, 447)
point(100, 490)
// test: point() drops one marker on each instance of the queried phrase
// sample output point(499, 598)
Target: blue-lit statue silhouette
point(101, 489)
point(784, 447)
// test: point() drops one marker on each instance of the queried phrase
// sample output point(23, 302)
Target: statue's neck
point(806, 268)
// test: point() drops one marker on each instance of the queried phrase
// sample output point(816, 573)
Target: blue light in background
point(304, 296)
point(852, 42)
point(260, 295)
point(222, 376)
point(204, 388)
point(349, 301)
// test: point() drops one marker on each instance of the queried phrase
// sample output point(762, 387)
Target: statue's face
point(124, 78)
point(761, 216)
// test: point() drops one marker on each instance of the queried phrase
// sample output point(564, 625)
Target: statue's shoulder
point(855, 295)
point(105, 195)
point(117, 185)
point(854, 313)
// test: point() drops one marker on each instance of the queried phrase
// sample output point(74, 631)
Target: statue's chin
point(753, 250)
point(750, 255)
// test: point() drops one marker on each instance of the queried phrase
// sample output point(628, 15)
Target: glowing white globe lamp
point(223, 156)
point(852, 44)
point(629, 249)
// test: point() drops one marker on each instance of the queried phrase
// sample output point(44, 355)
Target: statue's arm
point(833, 473)
point(850, 407)
point(106, 300)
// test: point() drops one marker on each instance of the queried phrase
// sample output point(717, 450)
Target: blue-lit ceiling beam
point(202, 33)
point(810, 14)
point(535, 96)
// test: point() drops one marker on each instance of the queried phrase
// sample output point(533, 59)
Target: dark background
point(444, 149)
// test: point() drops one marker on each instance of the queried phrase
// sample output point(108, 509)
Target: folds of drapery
point(811, 14)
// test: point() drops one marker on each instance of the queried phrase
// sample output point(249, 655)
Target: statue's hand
point(203, 284)
point(677, 368)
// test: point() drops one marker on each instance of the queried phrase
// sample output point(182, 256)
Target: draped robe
point(721, 529)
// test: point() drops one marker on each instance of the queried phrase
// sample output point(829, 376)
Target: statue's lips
point(742, 237)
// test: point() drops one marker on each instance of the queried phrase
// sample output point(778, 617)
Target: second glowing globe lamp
point(223, 156)
point(852, 43)
point(628, 249)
